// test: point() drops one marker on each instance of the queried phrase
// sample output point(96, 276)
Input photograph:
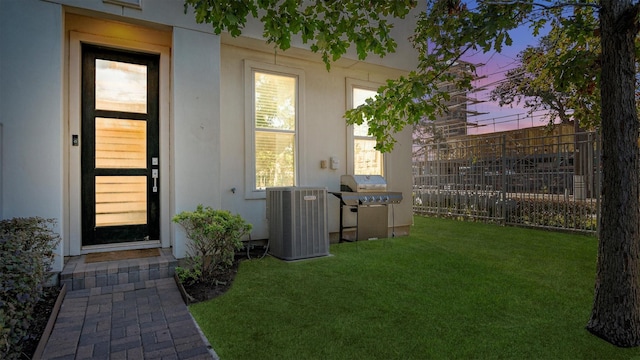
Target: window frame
point(251, 67)
point(352, 84)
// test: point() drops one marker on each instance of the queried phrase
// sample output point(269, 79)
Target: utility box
point(298, 227)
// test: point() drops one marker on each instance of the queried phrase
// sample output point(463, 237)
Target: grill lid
point(362, 183)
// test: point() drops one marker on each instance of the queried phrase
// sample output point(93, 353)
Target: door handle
point(154, 175)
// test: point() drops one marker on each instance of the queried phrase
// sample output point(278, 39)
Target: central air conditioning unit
point(298, 226)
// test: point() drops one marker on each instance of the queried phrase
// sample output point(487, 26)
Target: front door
point(119, 142)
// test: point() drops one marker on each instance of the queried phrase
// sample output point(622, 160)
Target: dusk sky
point(496, 65)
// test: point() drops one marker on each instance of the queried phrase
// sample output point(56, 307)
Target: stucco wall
point(195, 131)
point(31, 111)
point(97, 30)
point(323, 135)
point(152, 13)
point(205, 132)
point(405, 57)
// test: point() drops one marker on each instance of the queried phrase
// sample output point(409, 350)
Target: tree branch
point(544, 6)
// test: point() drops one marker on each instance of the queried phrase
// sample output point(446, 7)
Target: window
point(273, 109)
point(366, 159)
point(275, 129)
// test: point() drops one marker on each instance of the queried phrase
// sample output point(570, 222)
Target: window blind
point(275, 101)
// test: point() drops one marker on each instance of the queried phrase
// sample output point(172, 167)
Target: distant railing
point(550, 181)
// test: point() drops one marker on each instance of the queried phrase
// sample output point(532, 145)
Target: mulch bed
point(41, 314)
point(203, 291)
point(199, 291)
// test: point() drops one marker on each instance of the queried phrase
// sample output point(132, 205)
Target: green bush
point(191, 274)
point(215, 236)
point(552, 212)
point(555, 214)
point(26, 256)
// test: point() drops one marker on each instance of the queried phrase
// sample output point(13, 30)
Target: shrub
point(215, 236)
point(193, 273)
point(555, 214)
point(26, 256)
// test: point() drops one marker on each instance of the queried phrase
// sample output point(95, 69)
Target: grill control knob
point(386, 198)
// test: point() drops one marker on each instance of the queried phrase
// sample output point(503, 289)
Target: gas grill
point(366, 196)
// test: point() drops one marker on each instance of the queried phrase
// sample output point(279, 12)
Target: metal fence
point(522, 178)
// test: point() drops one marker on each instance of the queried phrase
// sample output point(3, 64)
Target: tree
point(445, 31)
point(616, 308)
point(561, 74)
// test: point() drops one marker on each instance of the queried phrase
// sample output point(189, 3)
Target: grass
point(450, 290)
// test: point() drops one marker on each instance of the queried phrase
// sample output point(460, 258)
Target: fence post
point(438, 178)
point(503, 194)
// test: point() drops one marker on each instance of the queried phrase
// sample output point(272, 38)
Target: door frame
point(91, 232)
point(74, 154)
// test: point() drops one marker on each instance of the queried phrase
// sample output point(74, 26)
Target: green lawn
point(450, 290)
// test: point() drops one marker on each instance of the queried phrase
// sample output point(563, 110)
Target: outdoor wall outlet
point(335, 163)
point(323, 164)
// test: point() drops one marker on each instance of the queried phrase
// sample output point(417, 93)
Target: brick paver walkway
point(144, 320)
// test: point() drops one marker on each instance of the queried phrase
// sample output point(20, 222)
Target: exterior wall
point(399, 168)
point(324, 133)
point(31, 111)
point(202, 113)
point(153, 12)
point(196, 132)
point(190, 140)
point(41, 173)
point(405, 57)
point(97, 30)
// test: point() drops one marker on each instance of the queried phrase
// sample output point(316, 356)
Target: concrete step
point(79, 275)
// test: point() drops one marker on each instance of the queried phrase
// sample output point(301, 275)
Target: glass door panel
point(121, 200)
point(121, 143)
point(121, 86)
